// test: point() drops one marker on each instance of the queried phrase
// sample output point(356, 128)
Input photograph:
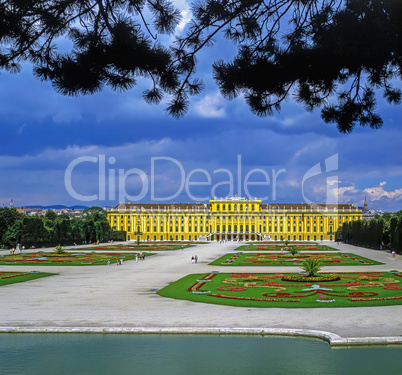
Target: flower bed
point(147, 246)
point(76, 259)
point(278, 246)
point(289, 290)
point(310, 279)
point(279, 259)
point(17, 277)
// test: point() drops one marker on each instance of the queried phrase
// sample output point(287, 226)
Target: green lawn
point(356, 289)
point(67, 259)
point(284, 259)
point(19, 277)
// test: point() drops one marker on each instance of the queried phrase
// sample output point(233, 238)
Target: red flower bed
point(231, 288)
point(252, 298)
point(15, 275)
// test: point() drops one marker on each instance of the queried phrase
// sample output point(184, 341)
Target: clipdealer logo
point(112, 182)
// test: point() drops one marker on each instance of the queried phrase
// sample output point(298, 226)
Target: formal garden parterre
point(355, 289)
point(283, 246)
point(284, 259)
point(150, 246)
point(65, 259)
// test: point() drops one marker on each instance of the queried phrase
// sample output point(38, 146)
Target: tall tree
point(3, 229)
point(95, 224)
point(333, 55)
point(113, 42)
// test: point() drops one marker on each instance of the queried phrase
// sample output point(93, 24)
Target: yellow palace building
point(232, 218)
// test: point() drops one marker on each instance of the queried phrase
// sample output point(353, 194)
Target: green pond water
point(118, 354)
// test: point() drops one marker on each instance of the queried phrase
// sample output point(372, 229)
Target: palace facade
point(233, 218)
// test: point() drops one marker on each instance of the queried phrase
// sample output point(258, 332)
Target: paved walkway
point(122, 298)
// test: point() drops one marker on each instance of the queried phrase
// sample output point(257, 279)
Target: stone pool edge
point(332, 338)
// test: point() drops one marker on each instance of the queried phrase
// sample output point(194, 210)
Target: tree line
point(381, 232)
point(53, 229)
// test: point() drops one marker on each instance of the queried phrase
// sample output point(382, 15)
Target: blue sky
point(218, 149)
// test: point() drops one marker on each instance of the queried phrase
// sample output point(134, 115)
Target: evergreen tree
point(333, 55)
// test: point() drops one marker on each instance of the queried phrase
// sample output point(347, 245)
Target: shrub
point(293, 250)
point(311, 266)
point(59, 250)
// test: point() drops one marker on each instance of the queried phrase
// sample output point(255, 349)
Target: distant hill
point(58, 207)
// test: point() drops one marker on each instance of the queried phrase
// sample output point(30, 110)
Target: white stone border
point(331, 338)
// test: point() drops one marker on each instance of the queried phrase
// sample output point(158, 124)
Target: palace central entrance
point(235, 236)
